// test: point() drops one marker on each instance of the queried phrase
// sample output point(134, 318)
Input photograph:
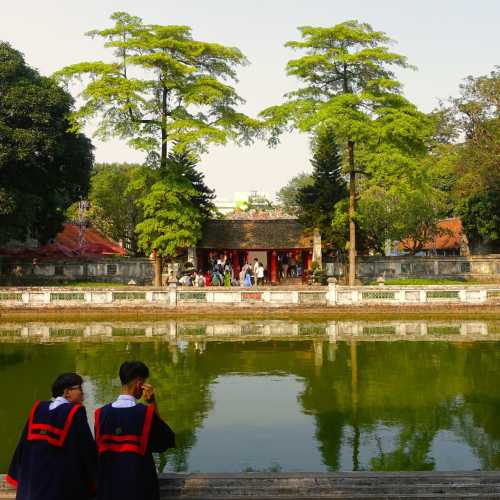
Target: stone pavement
point(341, 485)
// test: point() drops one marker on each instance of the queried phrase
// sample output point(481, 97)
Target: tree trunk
point(164, 110)
point(158, 270)
point(352, 212)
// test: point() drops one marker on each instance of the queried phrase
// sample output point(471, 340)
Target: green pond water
point(289, 396)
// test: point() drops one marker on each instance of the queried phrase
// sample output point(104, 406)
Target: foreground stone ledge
point(369, 485)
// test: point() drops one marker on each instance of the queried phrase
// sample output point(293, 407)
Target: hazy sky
point(446, 39)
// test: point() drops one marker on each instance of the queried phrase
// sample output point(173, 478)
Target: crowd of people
point(220, 272)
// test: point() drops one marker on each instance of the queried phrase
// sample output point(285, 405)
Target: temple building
point(273, 241)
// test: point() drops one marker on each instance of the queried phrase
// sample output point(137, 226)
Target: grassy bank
point(432, 281)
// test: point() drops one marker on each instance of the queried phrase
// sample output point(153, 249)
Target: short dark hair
point(130, 370)
point(65, 381)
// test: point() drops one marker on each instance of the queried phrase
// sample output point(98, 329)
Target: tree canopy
point(175, 207)
point(162, 86)
point(43, 167)
point(288, 195)
point(348, 83)
point(477, 188)
point(318, 202)
point(113, 203)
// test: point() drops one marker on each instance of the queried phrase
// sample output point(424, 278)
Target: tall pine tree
point(318, 202)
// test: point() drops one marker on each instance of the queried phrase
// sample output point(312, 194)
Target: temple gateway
point(273, 242)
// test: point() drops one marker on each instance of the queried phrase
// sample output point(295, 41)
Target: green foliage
point(477, 116)
point(113, 203)
point(174, 207)
point(257, 202)
point(43, 167)
point(468, 172)
point(317, 202)
point(407, 213)
point(378, 213)
point(349, 85)
point(288, 194)
point(183, 164)
point(161, 86)
point(480, 214)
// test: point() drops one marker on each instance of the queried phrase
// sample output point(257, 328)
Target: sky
point(446, 39)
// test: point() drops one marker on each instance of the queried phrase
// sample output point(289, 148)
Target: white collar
point(124, 401)
point(126, 397)
point(58, 402)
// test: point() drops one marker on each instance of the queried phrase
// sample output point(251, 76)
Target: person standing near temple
point(127, 433)
point(260, 274)
point(284, 265)
point(255, 270)
point(56, 458)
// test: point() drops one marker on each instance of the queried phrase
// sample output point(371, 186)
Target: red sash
point(118, 443)
point(46, 432)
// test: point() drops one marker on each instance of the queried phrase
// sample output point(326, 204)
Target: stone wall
point(122, 270)
point(479, 267)
point(113, 269)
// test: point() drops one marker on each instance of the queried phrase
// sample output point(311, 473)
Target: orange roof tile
point(66, 244)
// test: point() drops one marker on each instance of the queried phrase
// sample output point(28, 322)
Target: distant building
point(72, 242)
point(249, 235)
point(240, 200)
point(451, 241)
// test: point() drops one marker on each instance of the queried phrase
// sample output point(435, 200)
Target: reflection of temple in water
point(243, 330)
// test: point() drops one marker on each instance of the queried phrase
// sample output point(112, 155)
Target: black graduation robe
point(56, 457)
point(126, 439)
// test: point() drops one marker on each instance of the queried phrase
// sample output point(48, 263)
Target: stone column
point(192, 257)
point(316, 256)
point(274, 267)
point(332, 291)
point(235, 257)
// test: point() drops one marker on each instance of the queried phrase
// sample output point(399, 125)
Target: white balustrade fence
point(328, 296)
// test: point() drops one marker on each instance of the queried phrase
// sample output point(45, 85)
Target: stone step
point(300, 486)
point(334, 485)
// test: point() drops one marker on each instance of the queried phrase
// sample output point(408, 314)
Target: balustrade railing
point(327, 296)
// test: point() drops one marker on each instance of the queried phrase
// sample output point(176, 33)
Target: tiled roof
point(255, 235)
point(66, 244)
point(450, 239)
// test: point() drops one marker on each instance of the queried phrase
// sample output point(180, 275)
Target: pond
point(278, 395)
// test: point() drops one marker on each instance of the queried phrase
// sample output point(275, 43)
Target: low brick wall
point(174, 297)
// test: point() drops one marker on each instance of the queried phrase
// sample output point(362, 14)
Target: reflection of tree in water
point(7, 359)
point(477, 413)
point(27, 372)
point(408, 389)
point(396, 396)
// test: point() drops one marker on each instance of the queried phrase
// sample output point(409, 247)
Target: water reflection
point(239, 330)
point(323, 396)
